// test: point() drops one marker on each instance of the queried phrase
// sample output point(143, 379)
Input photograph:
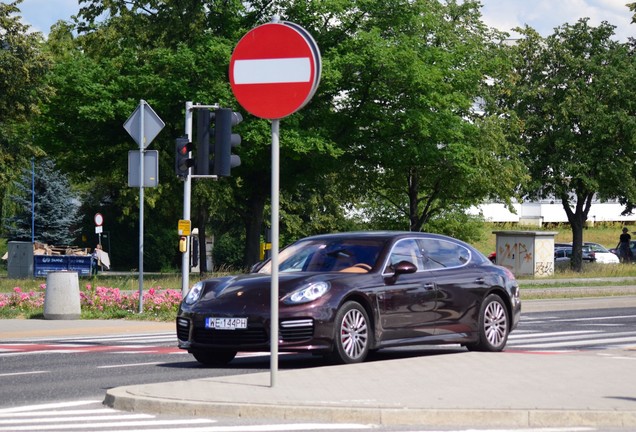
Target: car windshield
point(326, 255)
point(597, 248)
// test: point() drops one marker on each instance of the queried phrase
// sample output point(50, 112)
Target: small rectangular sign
point(151, 168)
point(183, 227)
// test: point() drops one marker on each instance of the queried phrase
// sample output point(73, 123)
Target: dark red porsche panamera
point(344, 294)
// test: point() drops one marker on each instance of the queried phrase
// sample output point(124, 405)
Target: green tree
point(55, 215)
point(392, 117)
point(23, 65)
point(574, 94)
point(141, 50)
point(411, 75)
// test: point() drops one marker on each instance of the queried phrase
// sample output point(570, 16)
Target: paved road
point(543, 323)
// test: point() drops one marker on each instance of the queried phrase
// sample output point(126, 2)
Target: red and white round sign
point(99, 219)
point(275, 70)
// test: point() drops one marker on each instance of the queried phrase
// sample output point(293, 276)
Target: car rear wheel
point(493, 325)
point(352, 336)
point(214, 358)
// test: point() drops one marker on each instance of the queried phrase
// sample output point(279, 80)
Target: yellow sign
point(264, 247)
point(183, 227)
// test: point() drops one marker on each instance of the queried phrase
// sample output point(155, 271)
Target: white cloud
point(542, 15)
point(42, 14)
point(545, 15)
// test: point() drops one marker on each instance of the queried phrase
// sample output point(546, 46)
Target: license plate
point(226, 323)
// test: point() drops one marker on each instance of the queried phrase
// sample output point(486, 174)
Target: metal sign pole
point(142, 104)
point(187, 192)
point(274, 259)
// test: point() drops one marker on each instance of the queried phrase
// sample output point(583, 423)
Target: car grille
point(183, 329)
point(289, 331)
point(248, 336)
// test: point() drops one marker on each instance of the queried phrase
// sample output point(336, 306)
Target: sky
point(542, 15)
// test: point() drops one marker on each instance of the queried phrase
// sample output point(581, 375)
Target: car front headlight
point(194, 294)
point(307, 293)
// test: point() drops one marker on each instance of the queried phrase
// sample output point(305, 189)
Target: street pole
point(187, 192)
point(142, 138)
point(274, 259)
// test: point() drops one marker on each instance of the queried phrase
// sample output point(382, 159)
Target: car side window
point(407, 250)
point(438, 253)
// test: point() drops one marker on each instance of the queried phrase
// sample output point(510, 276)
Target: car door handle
point(480, 280)
point(429, 286)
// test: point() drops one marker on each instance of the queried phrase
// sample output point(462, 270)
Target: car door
point(460, 286)
point(407, 303)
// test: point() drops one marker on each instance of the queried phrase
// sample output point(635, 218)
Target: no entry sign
point(275, 70)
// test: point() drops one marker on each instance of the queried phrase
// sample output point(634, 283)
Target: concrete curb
point(124, 398)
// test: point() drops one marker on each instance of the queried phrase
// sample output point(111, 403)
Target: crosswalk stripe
point(56, 405)
point(529, 335)
point(71, 416)
point(575, 343)
point(582, 337)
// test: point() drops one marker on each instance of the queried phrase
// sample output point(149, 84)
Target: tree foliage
point(575, 97)
point(54, 218)
point(395, 136)
point(412, 73)
point(23, 66)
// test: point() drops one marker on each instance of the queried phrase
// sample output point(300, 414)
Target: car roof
point(379, 235)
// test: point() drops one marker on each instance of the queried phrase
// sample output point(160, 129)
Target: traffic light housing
point(204, 161)
point(183, 160)
point(225, 140)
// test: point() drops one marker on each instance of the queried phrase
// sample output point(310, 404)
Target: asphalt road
point(36, 370)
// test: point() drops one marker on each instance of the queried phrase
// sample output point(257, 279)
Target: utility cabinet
point(20, 260)
point(527, 253)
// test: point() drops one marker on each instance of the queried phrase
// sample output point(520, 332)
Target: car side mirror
point(403, 267)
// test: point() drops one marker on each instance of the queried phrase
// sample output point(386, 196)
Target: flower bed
point(97, 302)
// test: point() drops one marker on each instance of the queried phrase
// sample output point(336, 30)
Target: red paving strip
point(87, 348)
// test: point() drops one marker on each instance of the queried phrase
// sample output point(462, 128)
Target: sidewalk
point(458, 388)
point(441, 387)
point(455, 389)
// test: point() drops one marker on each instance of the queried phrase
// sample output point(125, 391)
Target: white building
point(539, 213)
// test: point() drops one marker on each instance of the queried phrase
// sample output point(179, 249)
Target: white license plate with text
point(226, 323)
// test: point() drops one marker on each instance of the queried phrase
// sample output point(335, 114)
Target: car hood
point(256, 287)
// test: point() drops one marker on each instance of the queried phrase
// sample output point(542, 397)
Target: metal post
point(274, 252)
point(142, 139)
point(187, 191)
point(32, 201)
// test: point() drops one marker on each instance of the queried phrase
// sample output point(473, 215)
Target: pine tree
point(56, 206)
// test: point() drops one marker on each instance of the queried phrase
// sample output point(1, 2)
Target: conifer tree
point(56, 206)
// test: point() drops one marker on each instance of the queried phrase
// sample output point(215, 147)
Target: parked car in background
point(591, 252)
point(600, 253)
point(564, 255)
point(632, 246)
point(344, 295)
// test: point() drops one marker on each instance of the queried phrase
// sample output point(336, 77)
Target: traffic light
point(183, 161)
point(204, 162)
point(225, 140)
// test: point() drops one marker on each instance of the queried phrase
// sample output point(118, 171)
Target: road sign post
point(274, 71)
point(143, 125)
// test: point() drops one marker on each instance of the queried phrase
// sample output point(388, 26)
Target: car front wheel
point(351, 334)
point(493, 325)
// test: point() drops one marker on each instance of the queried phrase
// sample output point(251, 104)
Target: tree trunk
point(413, 184)
point(577, 221)
point(253, 228)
